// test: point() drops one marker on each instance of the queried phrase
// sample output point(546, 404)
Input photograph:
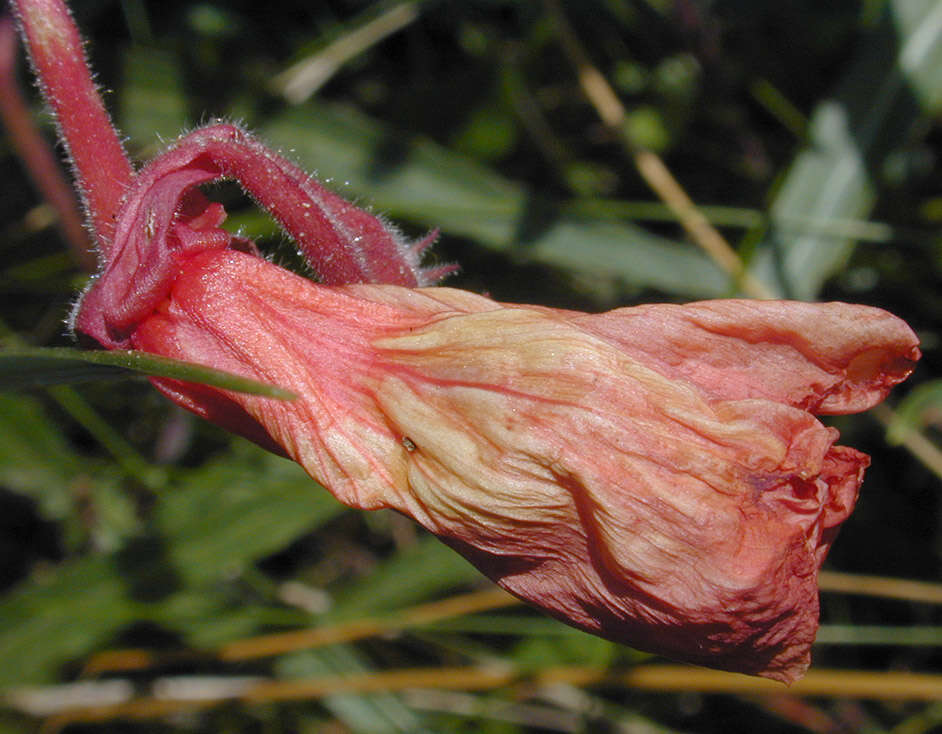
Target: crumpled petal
point(842, 359)
point(654, 475)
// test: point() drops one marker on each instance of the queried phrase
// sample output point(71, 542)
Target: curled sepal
point(165, 219)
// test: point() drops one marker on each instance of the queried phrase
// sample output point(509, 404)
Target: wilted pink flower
point(655, 475)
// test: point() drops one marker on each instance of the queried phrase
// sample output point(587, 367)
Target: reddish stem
point(164, 219)
point(101, 167)
point(342, 243)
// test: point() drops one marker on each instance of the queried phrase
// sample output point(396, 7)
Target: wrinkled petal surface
point(654, 475)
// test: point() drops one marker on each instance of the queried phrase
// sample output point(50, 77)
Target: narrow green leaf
point(25, 368)
point(22, 368)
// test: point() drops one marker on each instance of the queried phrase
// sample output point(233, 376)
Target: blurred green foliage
point(809, 131)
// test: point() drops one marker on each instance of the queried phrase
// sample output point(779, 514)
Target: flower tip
point(428, 276)
point(419, 247)
point(869, 375)
point(434, 275)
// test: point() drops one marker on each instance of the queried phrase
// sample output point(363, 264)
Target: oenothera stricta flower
point(655, 474)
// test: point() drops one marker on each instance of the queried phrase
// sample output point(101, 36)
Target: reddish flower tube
point(654, 475)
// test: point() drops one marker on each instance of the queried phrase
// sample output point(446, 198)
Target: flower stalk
point(36, 153)
point(101, 167)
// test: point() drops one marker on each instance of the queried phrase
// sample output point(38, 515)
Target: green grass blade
point(39, 367)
